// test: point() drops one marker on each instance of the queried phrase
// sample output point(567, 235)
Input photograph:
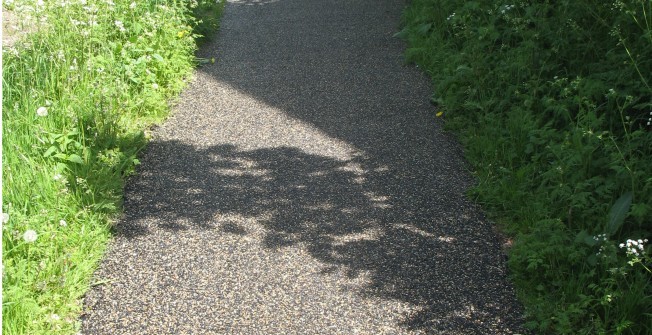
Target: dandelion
point(30, 236)
point(42, 111)
point(439, 114)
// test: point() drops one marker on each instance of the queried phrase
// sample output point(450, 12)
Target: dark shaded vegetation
point(552, 101)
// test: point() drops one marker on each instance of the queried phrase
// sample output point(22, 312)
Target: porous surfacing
point(303, 186)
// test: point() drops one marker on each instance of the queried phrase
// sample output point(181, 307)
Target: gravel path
point(303, 186)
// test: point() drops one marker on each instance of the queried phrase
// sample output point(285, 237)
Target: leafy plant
point(552, 103)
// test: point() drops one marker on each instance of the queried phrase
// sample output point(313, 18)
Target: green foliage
point(78, 90)
point(206, 14)
point(552, 101)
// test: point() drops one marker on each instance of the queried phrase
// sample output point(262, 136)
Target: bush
point(552, 101)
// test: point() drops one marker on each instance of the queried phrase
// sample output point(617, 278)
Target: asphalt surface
point(303, 186)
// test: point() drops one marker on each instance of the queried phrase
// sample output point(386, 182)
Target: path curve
point(303, 186)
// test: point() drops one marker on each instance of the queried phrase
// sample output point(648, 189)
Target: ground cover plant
point(77, 92)
point(553, 102)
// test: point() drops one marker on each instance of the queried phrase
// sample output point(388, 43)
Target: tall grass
point(552, 101)
point(77, 92)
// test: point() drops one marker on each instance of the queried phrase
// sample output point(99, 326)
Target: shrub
point(552, 101)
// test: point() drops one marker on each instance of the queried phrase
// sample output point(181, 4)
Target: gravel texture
point(303, 186)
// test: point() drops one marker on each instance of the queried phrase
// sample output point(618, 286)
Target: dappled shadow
point(413, 241)
point(392, 211)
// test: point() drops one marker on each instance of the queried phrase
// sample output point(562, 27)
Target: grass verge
point(77, 93)
point(553, 104)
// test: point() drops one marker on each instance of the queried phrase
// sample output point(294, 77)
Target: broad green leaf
point(586, 238)
point(402, 34)
point(50, 151)
point(75, 159)
point(424, 28)
point(618, 213)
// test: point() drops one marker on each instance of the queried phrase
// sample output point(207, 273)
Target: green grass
point(553, 104)
point(77, 93)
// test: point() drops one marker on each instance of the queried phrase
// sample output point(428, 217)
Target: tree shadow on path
point(413, 240)
point(394, 212)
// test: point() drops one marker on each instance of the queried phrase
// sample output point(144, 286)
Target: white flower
point(132, 5)
point(55, 317)
point(5, 217)
point(63, 223)
point(42, 111)
point(155, 86)
point(30, 236)
point(634, 246)
point(120, 25)
point(57, 176)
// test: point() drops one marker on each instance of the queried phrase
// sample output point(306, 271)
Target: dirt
point(10, 32)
